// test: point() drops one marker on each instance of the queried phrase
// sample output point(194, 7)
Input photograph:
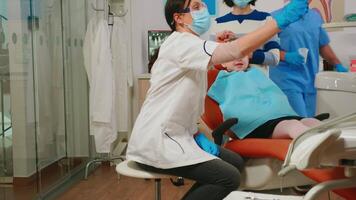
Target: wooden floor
point(103, 184)
point(29, 188)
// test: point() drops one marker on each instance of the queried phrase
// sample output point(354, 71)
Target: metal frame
point(157, 189)
point(130, 168)
point(100, 160)
point(107, 11)
point(3, 128)
point(319, 189)
point(3, 17)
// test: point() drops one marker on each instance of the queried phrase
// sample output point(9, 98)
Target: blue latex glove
point(294, 58)
point(341, 68)
point(207, 145)
point(291, 13)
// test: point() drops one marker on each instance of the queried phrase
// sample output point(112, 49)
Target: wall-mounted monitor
point(155, 40)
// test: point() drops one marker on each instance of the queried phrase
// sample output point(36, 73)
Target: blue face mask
point(201, 21)
point(241, 3)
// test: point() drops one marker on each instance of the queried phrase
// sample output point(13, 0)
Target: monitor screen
point(155, 39)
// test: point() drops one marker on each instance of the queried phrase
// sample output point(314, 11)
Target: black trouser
point(215, 179)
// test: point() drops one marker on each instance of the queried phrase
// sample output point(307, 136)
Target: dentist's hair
point(231, 4)
point(173, 6)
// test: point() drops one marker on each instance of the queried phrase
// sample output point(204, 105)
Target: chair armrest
point(221, 129)
point(322, 116)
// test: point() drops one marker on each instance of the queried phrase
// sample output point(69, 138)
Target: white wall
point(343, 41)
point(146, 15)
point(350, 6)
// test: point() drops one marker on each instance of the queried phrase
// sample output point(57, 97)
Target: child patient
point(261, 107)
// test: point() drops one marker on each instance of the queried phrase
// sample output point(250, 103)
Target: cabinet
point(339, 25)
point(143, 86)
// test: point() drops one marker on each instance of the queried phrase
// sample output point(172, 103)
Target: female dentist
point(164, 138)
point(295, 77)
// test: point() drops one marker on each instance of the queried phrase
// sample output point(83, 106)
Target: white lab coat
point(98, 64)
point(163, 133)
point(123, 72)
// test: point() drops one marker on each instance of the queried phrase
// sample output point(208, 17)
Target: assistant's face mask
point(201, 21)
point(241, 3)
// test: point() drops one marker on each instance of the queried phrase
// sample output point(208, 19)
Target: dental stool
point(131, 169)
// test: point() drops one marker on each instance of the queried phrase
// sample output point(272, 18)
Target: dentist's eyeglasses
point(195, 6)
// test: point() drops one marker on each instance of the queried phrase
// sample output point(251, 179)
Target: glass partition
point(18, 102)
point(49, 91)
point(44, 136)
point(5, 114)
point(62, 91)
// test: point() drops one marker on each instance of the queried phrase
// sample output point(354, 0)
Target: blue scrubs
point(250, 96)
point(298, 81)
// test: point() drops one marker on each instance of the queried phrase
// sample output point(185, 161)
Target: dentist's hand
point(294, 58)
point(225, 36)
point(207, 145)
point(341, 68)
point(291, 13)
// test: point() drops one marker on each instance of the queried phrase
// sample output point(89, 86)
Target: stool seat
point(131, 169)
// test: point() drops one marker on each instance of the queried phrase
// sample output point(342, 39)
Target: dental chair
point(266, 157)
point(331, 145)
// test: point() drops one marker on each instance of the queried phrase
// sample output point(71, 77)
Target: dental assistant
point(292, 75)
point(165, 136)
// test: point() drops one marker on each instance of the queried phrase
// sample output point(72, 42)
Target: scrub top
point(305, 33)
point(251, 97)
point(162, 136)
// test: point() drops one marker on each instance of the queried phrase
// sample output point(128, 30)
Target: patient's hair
point(231, 4)
point(173, 6)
